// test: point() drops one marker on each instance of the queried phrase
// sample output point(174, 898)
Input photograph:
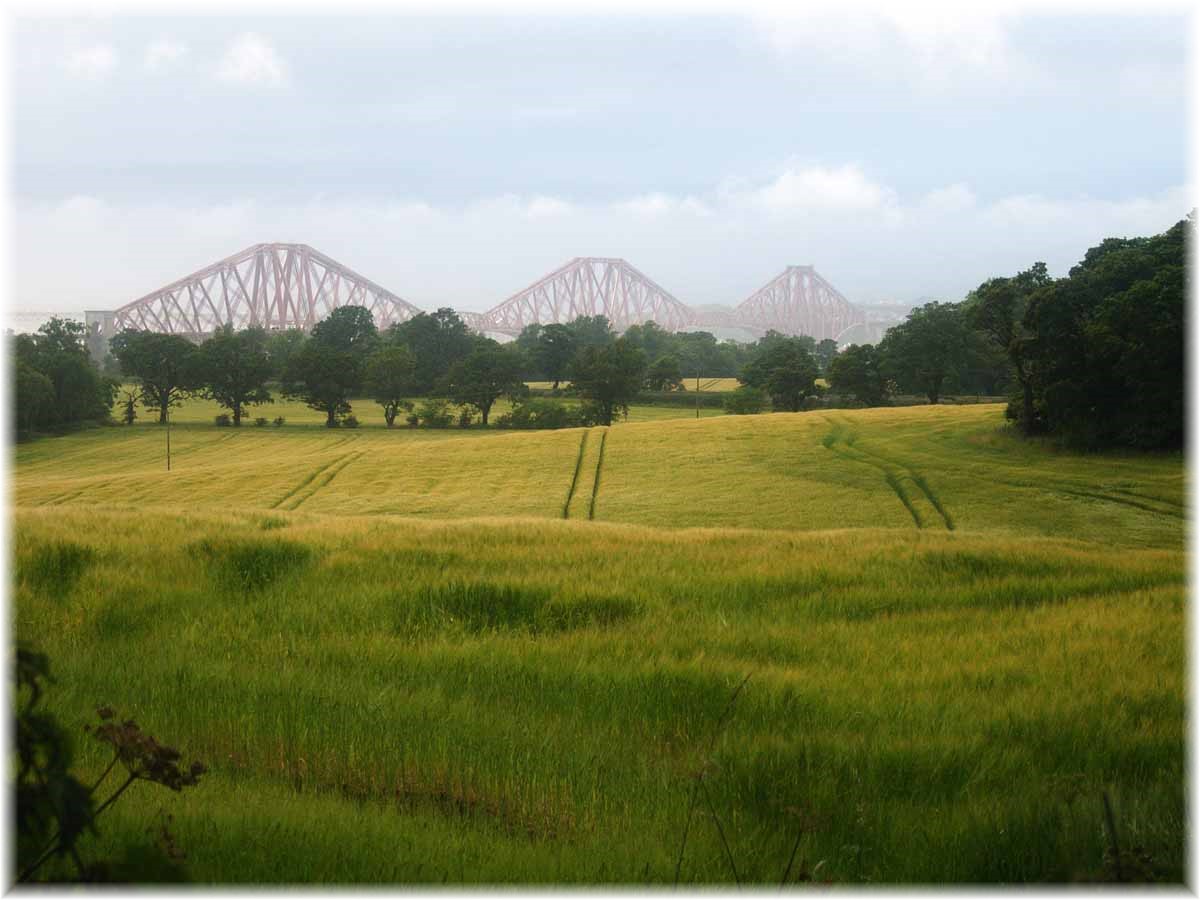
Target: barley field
point(894, 646)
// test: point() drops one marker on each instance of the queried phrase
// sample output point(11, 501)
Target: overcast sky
point(456, 160)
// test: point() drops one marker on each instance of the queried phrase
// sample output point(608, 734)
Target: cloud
point(658, 204)
point(162, 54)
point(950, 199)
point(820, 189)
point(92, 62)
point(250, 59)
point(929, 45)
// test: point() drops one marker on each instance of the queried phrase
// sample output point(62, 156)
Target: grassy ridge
point(384, 693)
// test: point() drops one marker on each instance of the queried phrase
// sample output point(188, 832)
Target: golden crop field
point(477, 656)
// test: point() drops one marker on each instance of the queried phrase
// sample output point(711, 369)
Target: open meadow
point(859, 646)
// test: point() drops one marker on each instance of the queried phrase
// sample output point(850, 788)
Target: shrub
point(537, 412)
point(222, 421)
point(435, 414)
point(745, 401)
point(464, 419)
point(350, 422)
point(279, 420)
point(412, 419)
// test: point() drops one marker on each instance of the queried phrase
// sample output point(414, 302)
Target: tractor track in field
point(596, 477)
point(566, 512)
point(306, 482)
point(1130, 498)
point(894, 473)
point(329, 474)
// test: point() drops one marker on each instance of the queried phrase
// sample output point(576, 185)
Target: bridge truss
point(278, 286)
point(274, 286)
point(799, 301)
point(589, 286)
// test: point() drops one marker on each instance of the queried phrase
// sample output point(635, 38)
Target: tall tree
point(855, 371)
point(165, 365)
point(824, 353)
point(58, 351)
point(554, 351)
point(925, 349)
point(665, 374)
point(437, 340)
point(485, 375)
point(349, 329)
point(389, 379)
point(324, 378)
point(233, 369)
point(591, 331)
point(997, 309)
point(608, 377)
point(785, 369)
point(281, 345)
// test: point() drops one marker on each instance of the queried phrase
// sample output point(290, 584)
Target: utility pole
point(168, 420)
point(697, 387)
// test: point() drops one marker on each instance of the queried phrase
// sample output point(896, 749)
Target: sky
point(454, 160)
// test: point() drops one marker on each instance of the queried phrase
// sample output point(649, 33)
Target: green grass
point(402, 664)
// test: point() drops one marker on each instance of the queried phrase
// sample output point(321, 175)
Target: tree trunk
point(483, 412)
point(1027, 406)
point(555, 388)
point(237, 415)
point(331, 417)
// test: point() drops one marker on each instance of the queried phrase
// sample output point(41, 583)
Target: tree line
point(1095, 358)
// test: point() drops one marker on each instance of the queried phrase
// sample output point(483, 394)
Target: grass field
point(472, 656)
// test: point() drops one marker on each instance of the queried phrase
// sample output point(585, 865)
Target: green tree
point(1107, 351)
point(437, 340)
point(553, 352)
point(664, 375)
point(608, 377)
point(997, 309)
point(485, 375)
point(928, 347)
point(34, 396)
point(233, 369)
point(58, 351)
point(281, 345)
point(164, 365)
point(591, 331)
point(856, 372)
point(824, 354)
point(389, 379)
point(324, 378)
point(785, 369)
point(349, 329)
point(745, 401)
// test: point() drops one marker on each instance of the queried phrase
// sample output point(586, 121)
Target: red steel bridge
point(280, 286)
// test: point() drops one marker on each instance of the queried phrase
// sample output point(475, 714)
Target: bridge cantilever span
point(589, 286)
point(270, 285)
point(278, 286)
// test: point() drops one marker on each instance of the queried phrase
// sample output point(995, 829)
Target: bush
point(260, 422)
point(350, 422)
point(279, 420)
point(537, 412)
point(223, 421)
point(435, 414)
point(745, 401)
point(412, 420)
point(465, 418)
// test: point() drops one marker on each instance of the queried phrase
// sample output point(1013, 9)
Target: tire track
point(596, 477)
point(894, 473)
point(303, 484)
point(575, 476)
point(330, 475)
